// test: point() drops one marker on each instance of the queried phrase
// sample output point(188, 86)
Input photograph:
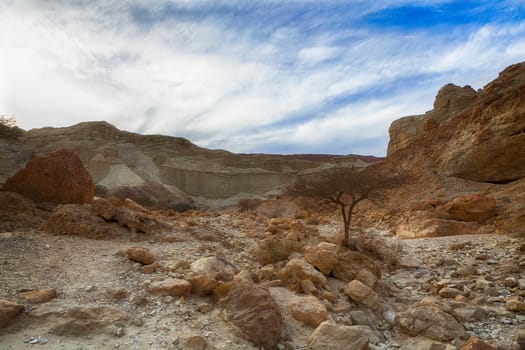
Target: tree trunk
point(347, 219)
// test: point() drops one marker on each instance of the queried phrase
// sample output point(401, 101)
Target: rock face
point(475, 207)
point(58, 178)
point(477, 136)
point(253, 310)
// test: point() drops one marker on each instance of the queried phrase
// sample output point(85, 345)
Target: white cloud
point(231, 88)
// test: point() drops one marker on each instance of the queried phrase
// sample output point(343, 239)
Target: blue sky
point(249, 76)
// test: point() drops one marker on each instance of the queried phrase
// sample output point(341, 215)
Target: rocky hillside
point(160, 169)
point(474, 135)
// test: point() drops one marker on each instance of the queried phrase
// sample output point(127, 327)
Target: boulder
point(321, 258)
point(474, 343)
point(18, 212)
point(474, 207)
point(79, 320)
point(215, 267)
point(141, 255)
point(430, 322)
point(514, 303)
point(8, 312)
point(331, 336)
point(297, 270)
point(350, 264)
point(362, 294)
point(75, 219)
point(253, 310)
point(171, 286)
point(434, 227)
point(309, 310)
point(58, 178)
point(202, 284)
point(39, 296)
point(195, 342)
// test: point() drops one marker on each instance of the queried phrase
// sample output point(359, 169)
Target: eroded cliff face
point(477, 136)
point(117, 159)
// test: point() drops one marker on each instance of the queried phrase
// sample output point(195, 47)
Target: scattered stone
point(430, 322)
point(8, 312)
point(309, 310)
point(297, 270)
point(323, 259)
point(74, 219)
point(141, 255)
point(341, 307)
point(362, 294)
point(39, 296)
point(149, 269)
point(510, 282)
point(308, 287)
point(196, 342)
point(449, 292)
point(514, 304)
point(80, 320)
point(253, 310)
point(215, 267)
point(474, 343)
point(117, 293)
point(470, 314)
point(350, 263)
point(202, 284)
point(171, 286)
point(521, 283)
point(520, 338)
point(331, 336)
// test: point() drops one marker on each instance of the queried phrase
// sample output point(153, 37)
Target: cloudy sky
point(290, 76)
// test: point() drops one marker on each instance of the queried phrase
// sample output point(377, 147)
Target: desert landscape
point(115, 240)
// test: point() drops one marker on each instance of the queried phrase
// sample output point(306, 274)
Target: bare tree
point(345, 188)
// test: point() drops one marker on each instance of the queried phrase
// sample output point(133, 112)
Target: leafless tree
point(345, 188)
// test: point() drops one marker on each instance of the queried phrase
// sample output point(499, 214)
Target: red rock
point(39, 296)
point(474, 207)
point(474, 343)
point(252, 309)
point(171, 286)
point(57, 178)
point(8, 311)
point(141, 255)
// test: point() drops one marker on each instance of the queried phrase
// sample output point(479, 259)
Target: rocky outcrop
point(404, 131)
point(58, 178)
point(477, 136)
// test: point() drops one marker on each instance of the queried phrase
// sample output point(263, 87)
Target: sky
point(249, 76)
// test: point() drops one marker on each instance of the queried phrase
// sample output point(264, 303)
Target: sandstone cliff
point(478, 136)
point(156, 166)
